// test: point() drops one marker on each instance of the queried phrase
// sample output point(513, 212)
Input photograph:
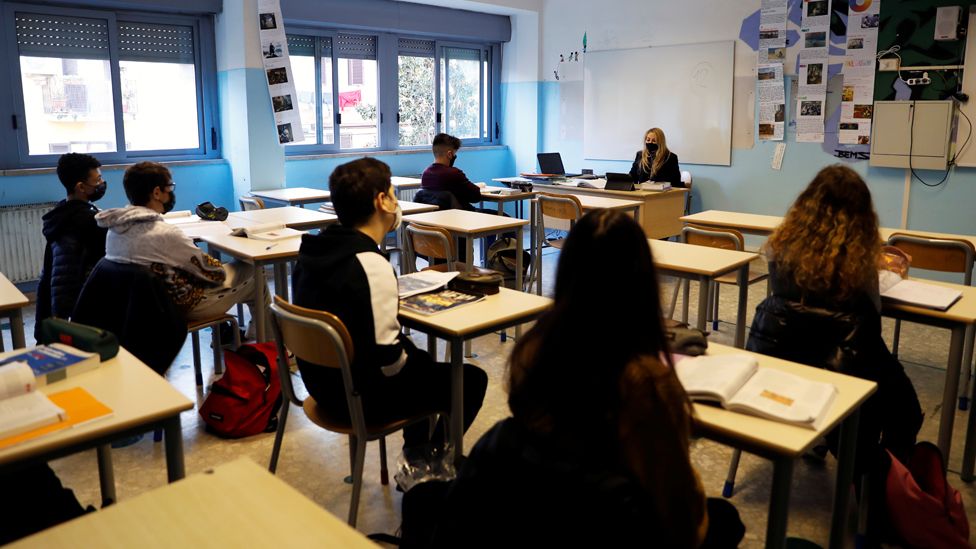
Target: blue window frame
point(362, 91)
point(123, 86)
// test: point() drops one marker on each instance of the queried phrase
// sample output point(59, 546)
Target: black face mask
point(651, 148)
point(99, 192)
point(453, 160)
point(171, 203)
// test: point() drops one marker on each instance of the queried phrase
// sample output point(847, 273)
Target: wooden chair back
point(560, 206)
point(937, 254)
point(726, 239)
point(249, 203)
point(431, 242)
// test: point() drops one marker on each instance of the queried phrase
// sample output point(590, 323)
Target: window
point(122, 86)
point(383, 91)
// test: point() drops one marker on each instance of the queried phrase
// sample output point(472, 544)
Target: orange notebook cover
point(78, 405)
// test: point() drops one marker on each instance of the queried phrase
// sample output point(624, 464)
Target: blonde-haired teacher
point(654, 162)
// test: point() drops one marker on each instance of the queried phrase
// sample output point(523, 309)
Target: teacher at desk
point(654, 162)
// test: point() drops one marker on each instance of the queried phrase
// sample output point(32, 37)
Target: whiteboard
point(684, 90)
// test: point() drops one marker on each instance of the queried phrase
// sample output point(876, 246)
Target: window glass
point(159, 105)
point(416, 100)
point(463, 100)
point(303, 72)
point(358, 103)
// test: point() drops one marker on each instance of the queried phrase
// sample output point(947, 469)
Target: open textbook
point(914, 292)
point(22, 408)
point(423, 281)
point(739, 384)
point(267, 231)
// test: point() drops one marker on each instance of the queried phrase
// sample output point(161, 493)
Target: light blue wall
point(751, 185)
point(195, 184)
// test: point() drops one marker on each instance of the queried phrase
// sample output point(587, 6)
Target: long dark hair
point(565, 372)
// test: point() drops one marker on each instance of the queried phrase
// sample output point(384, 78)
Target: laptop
point(552, 163)
point(619, 182)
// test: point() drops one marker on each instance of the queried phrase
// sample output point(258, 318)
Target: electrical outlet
point(888, 64)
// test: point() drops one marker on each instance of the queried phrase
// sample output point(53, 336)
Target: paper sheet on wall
point(811, 71)
point(772, 102)
point(772, 31)
point(857, 97)
point(816, 14)
point(277, 67)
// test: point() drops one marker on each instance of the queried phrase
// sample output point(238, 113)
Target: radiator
point(407, 194)
point(21, 241)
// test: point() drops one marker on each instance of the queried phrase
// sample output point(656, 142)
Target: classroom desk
point(289, 216)
point(589, 203)
point(238, 504)
point(501, 198)
point(294, 196)
point(471, 225)
point(401, 184)
point(496, 312)
point(12, 301)
point(705, 264)
point(259, 253)
point(660, 212)
point(783, 444)
point(141, 400)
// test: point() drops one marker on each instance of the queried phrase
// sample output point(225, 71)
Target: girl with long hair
point(655, 162)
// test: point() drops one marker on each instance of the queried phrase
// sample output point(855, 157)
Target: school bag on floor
point(245, 400)
point(923, 509)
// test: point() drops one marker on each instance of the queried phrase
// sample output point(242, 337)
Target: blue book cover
point(53, 362)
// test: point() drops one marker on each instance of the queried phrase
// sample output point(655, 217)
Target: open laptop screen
point(551, 163)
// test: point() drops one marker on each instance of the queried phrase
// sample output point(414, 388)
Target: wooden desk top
point(963, 311)
point(702, 260)
point(10, 296)
point(501, 309)
point(295, 194)
point(505, 197)
point(239, 504)
point(136, 395)
point(252, 249)
point(747, 222)
point(772, 438)
point(601, 202)
point(465, 222)
point(405, 182)
point(410, 208)
point(290, 216)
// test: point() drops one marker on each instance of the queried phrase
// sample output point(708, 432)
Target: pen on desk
point(271, 246)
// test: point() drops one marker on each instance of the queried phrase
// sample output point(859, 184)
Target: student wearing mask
point(342, 270)
point(443, 184)
point(75, 242)
point(655, 162)
point(200, 285)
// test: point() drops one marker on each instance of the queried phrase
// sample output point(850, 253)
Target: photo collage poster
point(769, 74)
point(277, 68)
point(857, 97)
point(811, 71)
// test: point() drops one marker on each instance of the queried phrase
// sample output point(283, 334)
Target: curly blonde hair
point(829, 241)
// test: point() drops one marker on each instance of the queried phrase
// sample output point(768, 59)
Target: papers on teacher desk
point(739, 384)
point(913, 292)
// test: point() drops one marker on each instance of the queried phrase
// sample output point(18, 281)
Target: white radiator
point(21, 241)
point(407, 194)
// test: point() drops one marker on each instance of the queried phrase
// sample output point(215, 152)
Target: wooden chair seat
point(323, 419)
point(558, 243)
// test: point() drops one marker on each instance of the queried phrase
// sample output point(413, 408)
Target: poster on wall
point(772, 31)
point(857, 97)
point(811, 71)
point(277, 68)
point(772, 102)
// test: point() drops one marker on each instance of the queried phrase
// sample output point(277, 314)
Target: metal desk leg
point(845, 477)
point(106, 474)
point(281, 280)
point(956, 343)
point(779, 503)
point(967, 365)
point(686, 294)
point(17, 329)
point(519, 234)
point(704, 286)
point(740, 317)
point(173, 433)
point(969, 451)
point(538, 236)
point(260, 311)
point(457, 399)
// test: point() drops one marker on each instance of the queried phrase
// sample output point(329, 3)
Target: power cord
point(893, 50)
point(911, 143)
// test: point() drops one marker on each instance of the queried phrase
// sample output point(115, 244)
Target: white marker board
point(684, 90)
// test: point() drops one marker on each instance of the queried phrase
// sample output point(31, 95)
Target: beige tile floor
point(315, 461)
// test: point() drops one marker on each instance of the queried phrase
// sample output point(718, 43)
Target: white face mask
point(398, 219)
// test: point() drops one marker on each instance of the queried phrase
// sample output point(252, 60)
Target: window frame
point(208, 129)
point(387, 53)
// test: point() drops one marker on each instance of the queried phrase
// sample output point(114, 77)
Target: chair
point(444, 200)
point(320, 338)
point(686, 179)
point(565, 207)
point(249, 203)
point(214, 325)
point(947, 256)
point(434, 243)
point(727, 239)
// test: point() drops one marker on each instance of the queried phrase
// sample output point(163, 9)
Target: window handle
point(496, 130)
point(439, 118)
point(381, 118)
point(13, 121)
point(398, 118)
point(338, 118)
point(213, 138)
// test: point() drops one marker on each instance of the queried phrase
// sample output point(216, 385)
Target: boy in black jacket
point(75, 242)
point(342, 271)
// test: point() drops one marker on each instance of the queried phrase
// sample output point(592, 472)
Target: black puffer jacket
point(75, 243)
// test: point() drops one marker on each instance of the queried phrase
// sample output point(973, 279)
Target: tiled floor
point(315, 461)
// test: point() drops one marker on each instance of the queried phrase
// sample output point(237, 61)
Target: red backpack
point(245, 400)
point(923, 509)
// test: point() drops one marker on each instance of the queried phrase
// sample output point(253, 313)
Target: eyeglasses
point(170, 187)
